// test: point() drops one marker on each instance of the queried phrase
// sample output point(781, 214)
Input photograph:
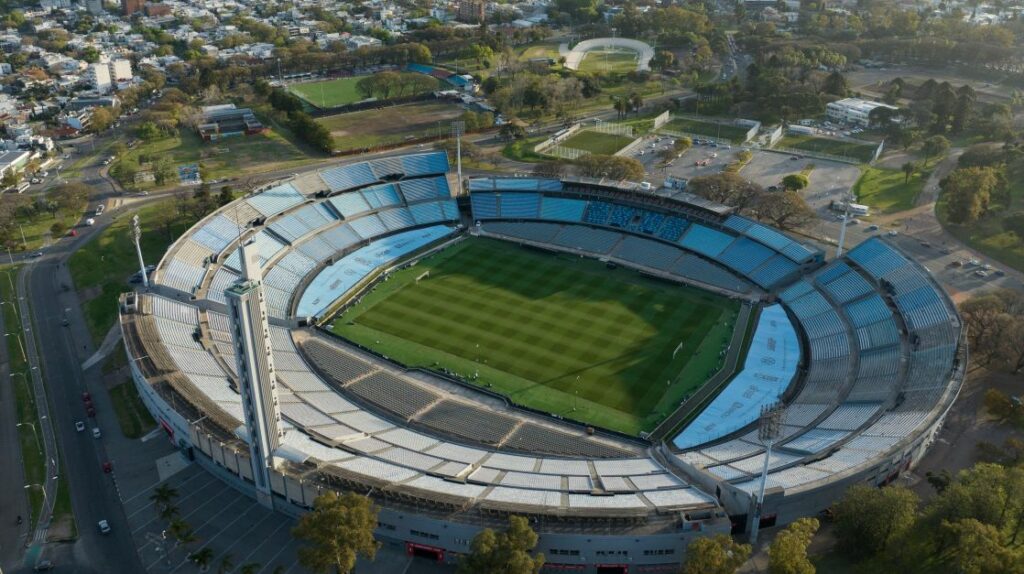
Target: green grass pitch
point(597, 142)
point(329, 93)
point(732, 133)
point(611, 60)
point(552, 332)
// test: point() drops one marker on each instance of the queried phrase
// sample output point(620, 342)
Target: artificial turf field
point(550, 331)
point(597, 142)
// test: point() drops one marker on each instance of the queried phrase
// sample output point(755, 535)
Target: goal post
point(423, 275)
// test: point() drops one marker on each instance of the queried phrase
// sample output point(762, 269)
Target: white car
point(892, 233)
point(104, 526)
point(96, 432)
point(79, 426)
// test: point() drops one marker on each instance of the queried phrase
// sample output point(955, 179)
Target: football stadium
point(582, 352)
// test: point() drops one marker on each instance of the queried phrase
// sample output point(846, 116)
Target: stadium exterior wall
point(582, 552)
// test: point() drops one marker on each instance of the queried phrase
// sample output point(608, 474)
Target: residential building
point(98, 76)
point(471, 11)
point(129, 7)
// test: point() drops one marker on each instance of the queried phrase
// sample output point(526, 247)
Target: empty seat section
point(387, 166)
point(339, 366)
point(535, 438)
point(368, 226)
point(316, 248)
point(597, 213)
point(745, 255)
point(276, 199)
point(846, 287)
point(266, 246)
point(876, 257)
point(880, 334)
point(531, 231)
point(450, 209)
point(774, 270)
point(520, 205)
point(350, 204)
point(620, 215)
point(561, 209)
point(485, 205)
point(217, 233)
point(467, 421)
point(672, 228)
point(433, 163)
point(426, 212)
point(348, 176)
point(379, 196)
point(647, 253)
point(397, 218)
point(697, 269)
point(706, 241)
point(868, 310)
point(587, 239)
point(296, 262)
point(423, 189)
point(392, 393)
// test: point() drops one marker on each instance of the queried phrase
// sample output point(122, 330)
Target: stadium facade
point(865, 350)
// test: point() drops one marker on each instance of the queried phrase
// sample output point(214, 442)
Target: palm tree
point(636, 101)
point(169, 512)
point(227, 563)
point(163, 495)
point(250, 568)
point(278, 570)
point(202, 558)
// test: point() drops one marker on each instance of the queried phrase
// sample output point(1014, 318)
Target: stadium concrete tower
point(250, 335)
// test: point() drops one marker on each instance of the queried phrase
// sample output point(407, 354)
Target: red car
point(90, 411)
point(108, 467)
point(86, 396)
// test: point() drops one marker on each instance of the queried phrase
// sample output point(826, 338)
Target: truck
point(854, 208)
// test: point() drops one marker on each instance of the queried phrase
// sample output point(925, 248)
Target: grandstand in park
point(865, 351)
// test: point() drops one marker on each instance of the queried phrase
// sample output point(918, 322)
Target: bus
point(855, 208)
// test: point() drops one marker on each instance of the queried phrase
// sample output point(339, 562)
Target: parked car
point(104, 526)
point(871, 228)
point(96, 432)
point(892, 233)
point(79, 426)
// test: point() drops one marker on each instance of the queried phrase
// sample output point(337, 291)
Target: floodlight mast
point(842, 232)
point(458, 128)
point(768, 430)
point(136, 231)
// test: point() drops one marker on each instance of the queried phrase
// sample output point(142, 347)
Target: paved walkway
point(109, 342)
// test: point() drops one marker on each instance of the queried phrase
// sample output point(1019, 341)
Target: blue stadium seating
point(434, 163)
point(379, 196)
point(519, 205)
point(673, 228)
point(348, 176)
point(597, 213)
point(349, 204)
point(620, 215)
point(485, 205)
point(561, 209)
point(745, 255)
point(706, 241)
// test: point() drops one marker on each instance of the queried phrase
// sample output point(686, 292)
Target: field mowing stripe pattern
point(545, 320)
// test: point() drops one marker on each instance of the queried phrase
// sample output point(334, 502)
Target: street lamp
point(39, 447)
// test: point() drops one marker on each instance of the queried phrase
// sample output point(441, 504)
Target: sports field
point(552, 332)
point(390, 124)
point(851, 149)
point(332, 93)
point(596, 142)
point(735, 134)
point(612, 60)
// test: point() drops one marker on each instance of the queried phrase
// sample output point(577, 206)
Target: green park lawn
point(596, 142)
point(887, 190)
point(231, 157)
point(859, 151)
point(552, 332)
point(101, 268)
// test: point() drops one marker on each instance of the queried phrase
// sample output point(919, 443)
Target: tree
point(337, 530)
point(225, 196)
point(795, 181)
point(636, 101)
point(102, 118)
point(611, 166)
point(788, 552)
point(226, 564)
point(908, 171)
point(202, 558)
point(977, 548)
point(786, 210)
point(968, 192)
point(682, 144)
point(726, 188)
point(935, 146)
point(715, 555)
point(147, 131)
point(512, 129)
point(250, 568)
point(505, 552)
point(58, 228)
point(868, 519)
point(836, 84)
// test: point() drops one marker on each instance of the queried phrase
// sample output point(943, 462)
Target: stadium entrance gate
point(612, 569)
point(423, 551)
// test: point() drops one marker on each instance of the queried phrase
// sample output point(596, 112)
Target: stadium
point(586, 353)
